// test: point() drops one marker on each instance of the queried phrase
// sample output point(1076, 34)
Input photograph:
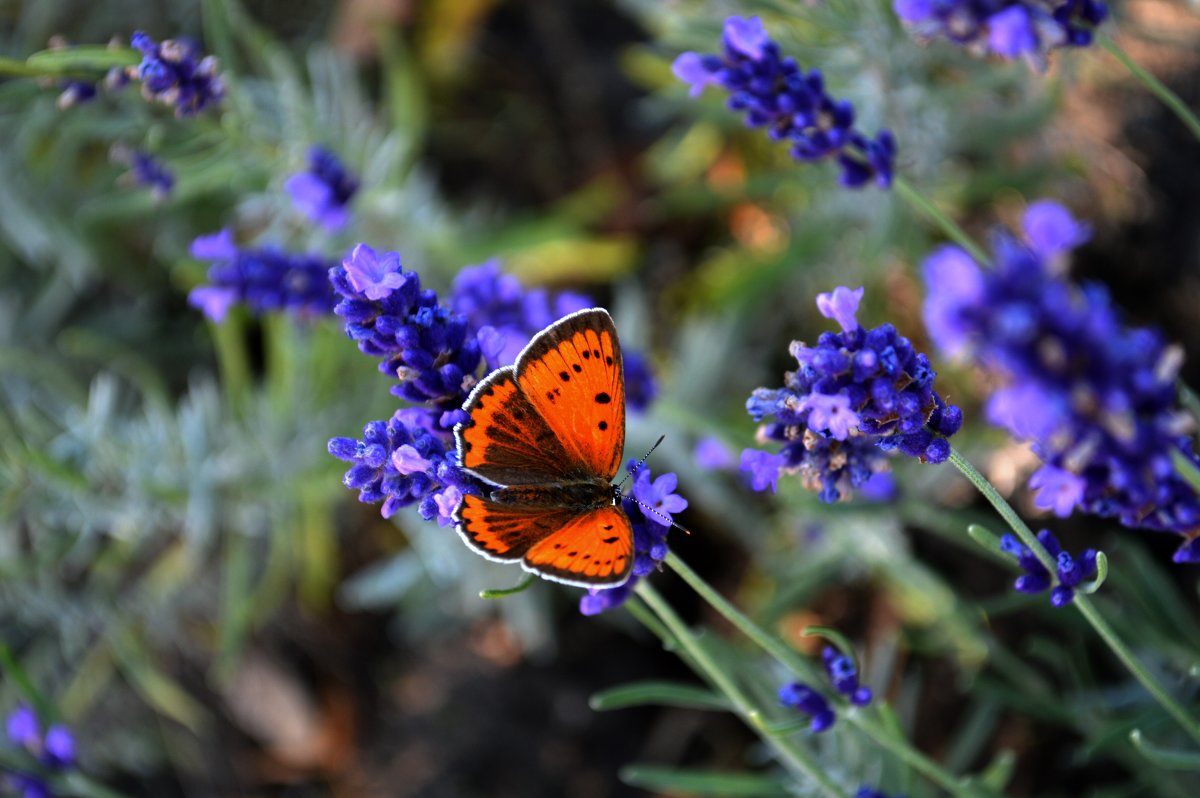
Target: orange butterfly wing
point(588, 549)
point(594, 549)
point(506, 532)
point(571, 373)
point(507, 442)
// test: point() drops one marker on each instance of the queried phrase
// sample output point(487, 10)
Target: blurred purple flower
point(264, 279)
point(323, 192)
point(175, 73)
point(1096, 399)
point(775, 94)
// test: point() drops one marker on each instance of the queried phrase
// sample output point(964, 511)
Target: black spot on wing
point(603, 398)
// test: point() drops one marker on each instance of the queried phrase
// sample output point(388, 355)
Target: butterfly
point(547, 435)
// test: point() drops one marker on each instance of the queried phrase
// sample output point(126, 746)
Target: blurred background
point(186, 581)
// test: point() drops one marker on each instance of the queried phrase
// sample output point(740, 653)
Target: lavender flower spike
point(854, 396)
point(1095, 399)
point(264, 279)
point(775, 94)
point(1070, 572)
point(1027, 29)
point(175, 73)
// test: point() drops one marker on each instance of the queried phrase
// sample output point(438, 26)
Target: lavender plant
point(179, 562)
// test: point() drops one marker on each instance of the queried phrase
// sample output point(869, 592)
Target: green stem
point(948, 225)
point(1081, 602)
point(1156, 86)
point(11, 67)
point(1189, 400)
point(799, 665)
point(795, 756)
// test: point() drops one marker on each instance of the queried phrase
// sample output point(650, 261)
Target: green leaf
point(1186, 468)
point(705, 782)
point(233, 622)
point(502, 592)
point(1164, 757)
point(999, 771)
point(784, 728)
point(839, 640)
point(984, 537)
point(1101, 575)
point(658, 693)
point(16, 674)
point(82, 59)
point(12, 67)
point(158, 689)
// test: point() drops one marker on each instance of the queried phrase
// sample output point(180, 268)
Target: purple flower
point(174, 73)
point(75, 92)
point(855, 395)
point(868, 792)
point(1058, 490)
point(658, 496)
point(955, 282)
point(1008, 28)
point(598, 600)
point(1051, 229)
point(830, 414)
point(148, 171)
point(841, 305)
point(447, 502)
point(401, 464)
point(746, 36)
point(372, 276)
point(430, 349)
point(507, 317)
point(774, 93)
point(1096, 399)
point(844, 675)
point(323, 192)
point(1189, 551)
point(640, 387)
point(488, 297)
point(1011, 32)
point(712, 453)
point(1070, 572)
point(145, 170)
point(54, 751)
point(698, 71)
point(879, 487)
point(913, 11)
point(23, 727)
point(763, 468)
point(801, 697)
point(265, 279)
point(59, 746)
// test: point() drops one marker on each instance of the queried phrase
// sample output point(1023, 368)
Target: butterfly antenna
point(641, 462)
point(666, 519)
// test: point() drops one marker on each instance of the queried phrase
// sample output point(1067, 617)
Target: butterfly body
point(583, 495)
point(548, 434)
